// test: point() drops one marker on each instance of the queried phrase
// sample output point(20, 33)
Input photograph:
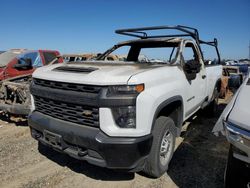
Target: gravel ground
point(199, 161)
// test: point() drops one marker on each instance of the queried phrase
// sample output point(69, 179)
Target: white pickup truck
point(125, 114)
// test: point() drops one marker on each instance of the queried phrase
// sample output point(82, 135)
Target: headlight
point(125, 89)
point(125, 117)
point(237, 134)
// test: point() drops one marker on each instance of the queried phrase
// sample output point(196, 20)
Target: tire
point(156, 164)
point(42, 148)
point(236, 172)
point(212, 108)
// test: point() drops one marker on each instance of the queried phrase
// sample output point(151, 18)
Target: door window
point(189, 54)
point(49, 56)
point(192, 65)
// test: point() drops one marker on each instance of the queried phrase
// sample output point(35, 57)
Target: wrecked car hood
point(240, 114)
point(97, 73)
point(237, 110)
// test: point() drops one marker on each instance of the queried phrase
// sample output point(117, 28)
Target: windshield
point(145, 52)
point(6, 57)
point(33, 56)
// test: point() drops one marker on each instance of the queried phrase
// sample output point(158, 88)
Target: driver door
point(196, 88)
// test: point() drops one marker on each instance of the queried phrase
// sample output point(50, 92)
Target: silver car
point(234, 123)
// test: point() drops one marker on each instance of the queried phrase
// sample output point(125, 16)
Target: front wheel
point(164, 135)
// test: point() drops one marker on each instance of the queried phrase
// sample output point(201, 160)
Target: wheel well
point(174, 110)
point(218, 84)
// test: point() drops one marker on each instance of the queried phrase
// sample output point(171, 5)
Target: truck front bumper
point(90, 144)
point(240, 139)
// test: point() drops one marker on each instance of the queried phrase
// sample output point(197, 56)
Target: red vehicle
point(11, 60)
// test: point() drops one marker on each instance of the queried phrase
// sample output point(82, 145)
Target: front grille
point(80, 114)
point(67, 86)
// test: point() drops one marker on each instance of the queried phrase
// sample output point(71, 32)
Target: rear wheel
point(212, 107)
point(164, 135)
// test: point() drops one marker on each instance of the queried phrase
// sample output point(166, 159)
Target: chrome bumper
point(239, 138)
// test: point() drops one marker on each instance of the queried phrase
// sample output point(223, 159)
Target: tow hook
point(35, 134)
point(82, 153)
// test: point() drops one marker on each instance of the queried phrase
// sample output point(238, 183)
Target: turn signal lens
point(139, 88)
point(125, 89)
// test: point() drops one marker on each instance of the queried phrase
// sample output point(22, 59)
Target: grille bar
point(85, 115)
point(67, 86)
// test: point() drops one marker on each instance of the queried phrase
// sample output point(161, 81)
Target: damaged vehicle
point(16, 72)
point(85, 57)
point(125, 114)
point(15, 95)
point(234, 123)
point(77, 57)
point(14, 62)
point(235, 76)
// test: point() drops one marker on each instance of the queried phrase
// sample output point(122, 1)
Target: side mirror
point(207, 62)
point(191, 68)
point(24, 64)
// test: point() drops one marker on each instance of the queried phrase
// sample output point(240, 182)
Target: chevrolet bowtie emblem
point(87, 112)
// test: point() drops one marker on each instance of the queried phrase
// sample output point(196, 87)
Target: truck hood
point(95, 73)
point(240, 114)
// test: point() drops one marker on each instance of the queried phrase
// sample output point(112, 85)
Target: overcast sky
point(88, 26)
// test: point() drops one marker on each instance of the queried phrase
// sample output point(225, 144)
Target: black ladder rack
point(186, 32)
point(141, 32)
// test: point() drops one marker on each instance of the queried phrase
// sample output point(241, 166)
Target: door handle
point(203, 76)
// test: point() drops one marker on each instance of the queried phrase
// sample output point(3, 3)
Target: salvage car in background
point(16, 69)
point(12, 61)
point(77, 57)
point(6, 57)
point(234, 78)
point(85, 57)
point(234, 123)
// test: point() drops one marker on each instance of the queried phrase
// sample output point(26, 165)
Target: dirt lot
point(199, 161)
